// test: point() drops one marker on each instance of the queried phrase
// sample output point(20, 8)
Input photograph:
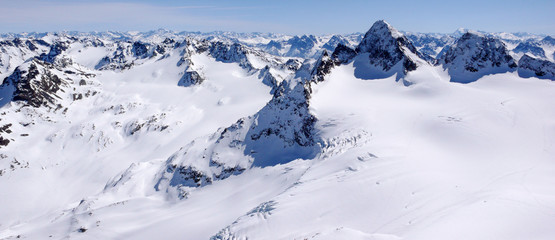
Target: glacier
point(382, 135)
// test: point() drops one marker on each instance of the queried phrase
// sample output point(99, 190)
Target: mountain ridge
point(236, 136)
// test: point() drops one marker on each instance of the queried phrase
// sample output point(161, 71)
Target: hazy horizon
point(284, 17)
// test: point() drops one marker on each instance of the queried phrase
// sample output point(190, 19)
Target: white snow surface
point(432, 160)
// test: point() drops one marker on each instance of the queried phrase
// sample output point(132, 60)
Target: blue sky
point(282, 16)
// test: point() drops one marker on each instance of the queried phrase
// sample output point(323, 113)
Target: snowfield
point(177, 136)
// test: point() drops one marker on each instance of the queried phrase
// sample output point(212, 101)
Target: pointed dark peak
point(382, 34)
point(322, 67)
point(386, 47)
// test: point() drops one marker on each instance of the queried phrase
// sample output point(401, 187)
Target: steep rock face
point(267, 77)
point(284, 129)
point(343, 54)
point(55, 50)
point(383, 52)
point(206, 160)
point(322, 67)
point(280, 132)
point(34, 84)
point(229, 53)
point(326, 63)
point(386, 47)
point(533, 67)
point(475, 55)
point(190, 77)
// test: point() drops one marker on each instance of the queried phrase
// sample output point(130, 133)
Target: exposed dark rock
point(325, 63)
point(127, 53)
point(190, 78)
point(229, 53)
point(4, 141)
point(385, 46)
point(151, 124)
point(30, 45)
point(343, 54)
point(475, 55)
point(287, 123)
point(35, 85)
point(268, 78)
point(6, 128)
point(55, 50)
point(323, 67)
point(140, 49)
point(293, 64)
point(533, 67)
point(77, 96)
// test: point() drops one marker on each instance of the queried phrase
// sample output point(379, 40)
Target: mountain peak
point(472, 34)
point(379, 30)
point(475, 55)
point(381, 25)
point(387, 46)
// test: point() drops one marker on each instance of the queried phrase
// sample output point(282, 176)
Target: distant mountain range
point(378, 135)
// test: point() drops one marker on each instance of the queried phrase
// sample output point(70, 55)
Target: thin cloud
point(190, 7)
point(116, 16)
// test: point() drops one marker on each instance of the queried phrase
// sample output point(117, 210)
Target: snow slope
point(130, 144)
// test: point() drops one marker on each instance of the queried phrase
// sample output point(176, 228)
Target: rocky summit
point(386, 134)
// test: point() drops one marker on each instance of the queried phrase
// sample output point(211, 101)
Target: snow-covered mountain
point(382, 135)
point(475, 55)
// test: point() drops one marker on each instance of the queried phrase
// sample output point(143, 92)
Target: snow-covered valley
point(383, 135)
